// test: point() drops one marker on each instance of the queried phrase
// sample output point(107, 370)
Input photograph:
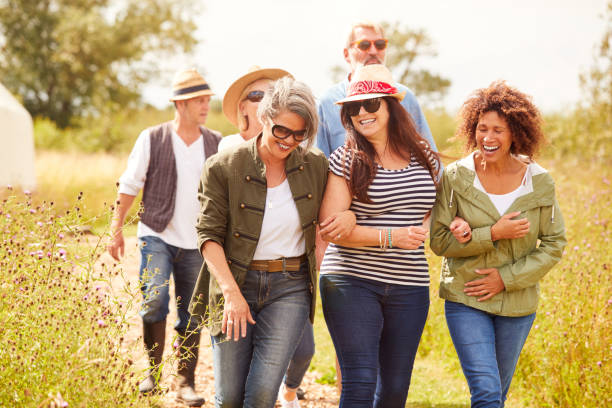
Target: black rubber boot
point(154, 336)
point(188, 360)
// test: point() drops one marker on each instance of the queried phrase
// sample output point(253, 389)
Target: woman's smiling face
point(372, 125)
point(493, 137)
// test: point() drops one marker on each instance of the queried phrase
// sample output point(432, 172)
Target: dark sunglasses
point(281, 132)
point(370, 105)
point(365, 45)
point(255, 96)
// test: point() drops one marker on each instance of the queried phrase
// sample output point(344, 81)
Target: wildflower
point(40, 224)
point(27, 192)
point(101, 323)
point(32, 211)
point(606, 181)
point(599, 364)
point(60, 235)
point(576, 248)
point(9, 187)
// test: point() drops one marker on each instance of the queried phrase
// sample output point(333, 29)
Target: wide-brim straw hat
point(189, 84)
point(371, 81)
point(230, 100)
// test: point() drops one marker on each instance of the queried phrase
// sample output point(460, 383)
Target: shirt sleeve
point(323, 134)
point(133, 178)
point(339, 162)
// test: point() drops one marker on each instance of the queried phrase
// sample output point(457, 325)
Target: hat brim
point(399, 96)
point(203, 92)
point(230, 99)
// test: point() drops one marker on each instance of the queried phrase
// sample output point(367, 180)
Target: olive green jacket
point(521, 262)
point(232, 196)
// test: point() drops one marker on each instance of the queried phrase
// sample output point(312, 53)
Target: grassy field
point(565, 363)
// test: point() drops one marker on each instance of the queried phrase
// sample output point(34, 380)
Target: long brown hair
point(404, 139)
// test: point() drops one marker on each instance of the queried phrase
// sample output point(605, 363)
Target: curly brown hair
point(404, 139)
point(522, 116)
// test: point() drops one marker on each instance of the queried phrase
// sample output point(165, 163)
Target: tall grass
point(63, 327)
point(566, 361)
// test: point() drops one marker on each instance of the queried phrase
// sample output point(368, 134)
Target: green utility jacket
point(521, 262)
point(232, 196)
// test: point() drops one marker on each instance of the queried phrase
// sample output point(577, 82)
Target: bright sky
point(539, 46)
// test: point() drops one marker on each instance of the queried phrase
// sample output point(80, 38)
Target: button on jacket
point(521, 262)
point(232, 195)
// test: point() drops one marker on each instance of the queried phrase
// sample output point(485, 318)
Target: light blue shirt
point(331, 133)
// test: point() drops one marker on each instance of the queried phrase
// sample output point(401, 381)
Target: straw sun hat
point(371, 81)
point(230, 100)
point(189, 84)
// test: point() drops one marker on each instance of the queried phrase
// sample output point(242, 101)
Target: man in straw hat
point(166, 163)
point(366, 45)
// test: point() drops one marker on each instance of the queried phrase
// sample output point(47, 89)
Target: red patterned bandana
point(368, 87)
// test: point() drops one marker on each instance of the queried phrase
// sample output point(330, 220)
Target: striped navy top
point(400, 198)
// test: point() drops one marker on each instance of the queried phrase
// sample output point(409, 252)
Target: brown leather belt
point(279, 265)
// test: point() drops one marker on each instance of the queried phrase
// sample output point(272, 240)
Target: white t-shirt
point(189, 160)
point(281, 233)
point(229, 141)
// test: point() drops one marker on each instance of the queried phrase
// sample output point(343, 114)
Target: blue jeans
point(376, 328)
point(488, 347)
point(158, 261)
point(301, 358)
point(249, 372)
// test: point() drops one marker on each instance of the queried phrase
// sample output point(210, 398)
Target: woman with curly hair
point(497, 223)
point(375, 279)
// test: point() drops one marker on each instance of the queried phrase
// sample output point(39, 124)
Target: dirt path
point(317, 395)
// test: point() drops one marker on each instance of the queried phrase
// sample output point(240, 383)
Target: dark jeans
point(158, 261)
point(249, 372)
point(301, 358)
point(488, 347)
point(376, 329)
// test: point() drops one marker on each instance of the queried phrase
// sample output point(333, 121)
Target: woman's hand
point(337, 225)
point(507, 228)
point(486, 287)
point(461, 230)
point(408, 237)
point(236, 315)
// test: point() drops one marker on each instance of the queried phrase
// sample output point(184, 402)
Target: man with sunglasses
point(166, 163)
point(366, 45)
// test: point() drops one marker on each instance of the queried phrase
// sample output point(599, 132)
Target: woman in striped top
point(374, 281)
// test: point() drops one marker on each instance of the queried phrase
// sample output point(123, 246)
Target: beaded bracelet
point(390, 240)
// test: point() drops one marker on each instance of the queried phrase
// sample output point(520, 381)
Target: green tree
point(68, 58)
point(406, 48)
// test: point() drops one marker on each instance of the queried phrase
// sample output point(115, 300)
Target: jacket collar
point(538, 192)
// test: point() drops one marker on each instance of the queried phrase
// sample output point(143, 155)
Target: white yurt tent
point(16, 143)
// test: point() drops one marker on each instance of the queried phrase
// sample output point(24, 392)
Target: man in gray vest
point(166, 163)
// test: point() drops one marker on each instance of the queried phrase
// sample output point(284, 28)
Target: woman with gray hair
point(256, 231)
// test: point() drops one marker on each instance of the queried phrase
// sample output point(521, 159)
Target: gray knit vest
point(159, 192)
